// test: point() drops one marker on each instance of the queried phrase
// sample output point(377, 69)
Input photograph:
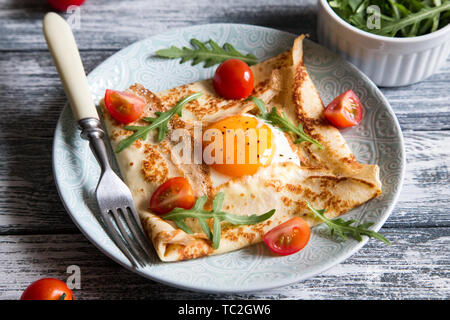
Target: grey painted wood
point(137, 19)
point(38, 239)
point(415, 265)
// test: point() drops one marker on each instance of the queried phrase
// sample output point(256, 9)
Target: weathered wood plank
point(415, 266)
point(424, 105)
point(138, 19)
point(426, 185)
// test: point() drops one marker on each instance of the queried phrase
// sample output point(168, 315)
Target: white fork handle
point(64, 50)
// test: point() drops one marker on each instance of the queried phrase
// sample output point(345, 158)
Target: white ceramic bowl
point(387, 61)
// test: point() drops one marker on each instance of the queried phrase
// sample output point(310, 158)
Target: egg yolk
point(238, 145)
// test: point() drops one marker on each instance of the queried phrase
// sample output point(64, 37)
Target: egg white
point(283, 153)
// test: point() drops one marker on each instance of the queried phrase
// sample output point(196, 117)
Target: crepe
point(330, 178)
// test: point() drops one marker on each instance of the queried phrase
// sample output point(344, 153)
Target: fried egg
point(240, 145)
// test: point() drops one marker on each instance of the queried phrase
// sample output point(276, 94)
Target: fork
point(117, 209)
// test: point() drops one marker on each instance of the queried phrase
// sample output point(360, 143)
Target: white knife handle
point(64, 50)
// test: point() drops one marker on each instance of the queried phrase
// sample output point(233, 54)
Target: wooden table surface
point(38, 239)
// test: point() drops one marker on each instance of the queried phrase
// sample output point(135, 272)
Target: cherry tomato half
point(62, 5)
point(233, 79)
point(288, 237)
point(345, 110)
point(174, 193)
point(47, 289)
point(123, 106)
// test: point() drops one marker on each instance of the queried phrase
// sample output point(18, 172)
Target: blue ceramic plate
point(377, 140)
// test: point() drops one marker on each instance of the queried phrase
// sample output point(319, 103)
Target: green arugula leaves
point(344, 229)
point(160, 122)
point(339, 227)
point(209, 52)
point(398, 18)
point(178, 215)
point(283, 123)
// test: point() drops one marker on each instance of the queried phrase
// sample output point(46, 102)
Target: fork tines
point(124, 228)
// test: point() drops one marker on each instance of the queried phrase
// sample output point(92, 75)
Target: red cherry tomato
point(345, 110)
point(123, 106)
point(289, 237)
point(47, 289)
point(233, 79)
point(174, 193)
point(62, 5)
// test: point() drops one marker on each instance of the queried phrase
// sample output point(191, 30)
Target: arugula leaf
point(435, 19)
point(178, 215)
point(160, 122)
point(411, 19)
point(283, 123)
point(343, 228)
point(354, 4)
point(211, 55)
point(407, 18)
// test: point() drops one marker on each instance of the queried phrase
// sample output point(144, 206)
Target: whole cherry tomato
point(345, 110)
point(233, 79)
point(288, 237)
point(123, 106)
point(174, 193)
point(47, 289)
point(62, 5)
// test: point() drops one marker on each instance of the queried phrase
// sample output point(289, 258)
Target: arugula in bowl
point(398, 18)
